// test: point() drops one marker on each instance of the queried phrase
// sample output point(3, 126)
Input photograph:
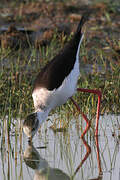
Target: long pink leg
point(84, 116)
point(98, 109)
point(97, 92)
point(98, 155)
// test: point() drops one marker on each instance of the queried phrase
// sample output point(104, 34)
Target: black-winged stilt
point(56, 83)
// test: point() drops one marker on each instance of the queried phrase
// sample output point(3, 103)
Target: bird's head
point(31, 125)
point(33, 122)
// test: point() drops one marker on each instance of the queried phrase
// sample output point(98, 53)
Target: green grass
point(18, 70)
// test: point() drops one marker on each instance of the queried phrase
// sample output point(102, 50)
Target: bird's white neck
point(42, 115)
point(78, 50)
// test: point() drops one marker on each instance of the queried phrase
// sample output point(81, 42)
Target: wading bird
point(56, 83)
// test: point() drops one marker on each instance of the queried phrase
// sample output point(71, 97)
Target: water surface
point(62, 155)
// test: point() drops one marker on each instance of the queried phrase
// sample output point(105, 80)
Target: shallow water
point(61, 155)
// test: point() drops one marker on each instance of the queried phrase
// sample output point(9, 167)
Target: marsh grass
point(18, 70)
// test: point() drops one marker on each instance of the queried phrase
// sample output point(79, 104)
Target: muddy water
point(61, 155)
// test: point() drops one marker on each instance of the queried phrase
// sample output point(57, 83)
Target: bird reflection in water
point(43, 171)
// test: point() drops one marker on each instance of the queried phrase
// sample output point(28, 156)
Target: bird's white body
point(55, 83)
point(51, 99)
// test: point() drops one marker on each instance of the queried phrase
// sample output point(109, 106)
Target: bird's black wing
point(54, 73)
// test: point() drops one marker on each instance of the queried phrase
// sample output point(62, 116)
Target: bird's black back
point(54, 73)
